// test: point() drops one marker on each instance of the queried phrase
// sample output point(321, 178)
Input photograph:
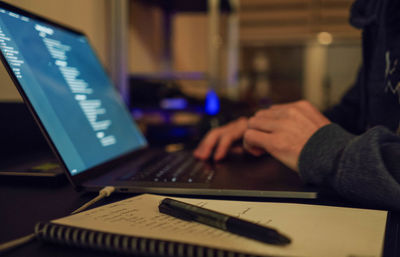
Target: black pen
point(225, 222)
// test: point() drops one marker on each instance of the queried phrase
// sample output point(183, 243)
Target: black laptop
point(93, 134)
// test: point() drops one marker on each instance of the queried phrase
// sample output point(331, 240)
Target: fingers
point(204, 150)
point(254, 141)
point(308, 110)
point(256, 151)
point(221, 139)
point(281, 111)
point(283, 130)
point(264, 123)
point(224, 144)
point(276, 144)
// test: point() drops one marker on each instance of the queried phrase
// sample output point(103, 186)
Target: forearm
point(362, 168)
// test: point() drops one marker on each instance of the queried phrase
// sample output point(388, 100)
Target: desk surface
point(23, 205)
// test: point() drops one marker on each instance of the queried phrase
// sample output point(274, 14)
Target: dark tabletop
point(23, 203)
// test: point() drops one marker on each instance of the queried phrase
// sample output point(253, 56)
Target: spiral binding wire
point(126, 244)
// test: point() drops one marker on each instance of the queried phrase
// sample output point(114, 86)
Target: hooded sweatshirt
point(358, 155)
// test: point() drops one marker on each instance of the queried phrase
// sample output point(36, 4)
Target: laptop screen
point(69, 90)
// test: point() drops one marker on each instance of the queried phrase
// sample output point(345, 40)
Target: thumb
point(254, 150)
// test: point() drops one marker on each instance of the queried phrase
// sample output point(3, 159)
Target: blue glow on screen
point(70, 91)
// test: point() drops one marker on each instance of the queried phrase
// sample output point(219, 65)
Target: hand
point(221, 139)
point(283, 130)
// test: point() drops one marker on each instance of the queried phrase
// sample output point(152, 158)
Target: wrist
point(319, 157)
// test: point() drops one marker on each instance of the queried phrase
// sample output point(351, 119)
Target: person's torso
point(380, 21)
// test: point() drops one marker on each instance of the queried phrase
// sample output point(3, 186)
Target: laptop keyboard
point(173, 167)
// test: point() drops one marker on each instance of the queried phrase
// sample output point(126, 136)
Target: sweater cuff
point(320, 156)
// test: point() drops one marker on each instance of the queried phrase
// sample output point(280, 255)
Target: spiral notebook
point(135, 226)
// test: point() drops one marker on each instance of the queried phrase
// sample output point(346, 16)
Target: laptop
point(91, 131)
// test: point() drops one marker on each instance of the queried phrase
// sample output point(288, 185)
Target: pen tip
point(277, 239)
point(283, 240)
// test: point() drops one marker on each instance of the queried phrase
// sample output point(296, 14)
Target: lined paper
point(314, 230)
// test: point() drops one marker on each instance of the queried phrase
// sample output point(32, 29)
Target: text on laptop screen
point(69, 90)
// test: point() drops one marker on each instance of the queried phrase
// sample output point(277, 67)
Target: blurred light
point(137, 113)
point(325, 38)
point(212, 103)
point(174, 103)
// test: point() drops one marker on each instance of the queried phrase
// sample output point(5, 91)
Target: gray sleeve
point(364, 168)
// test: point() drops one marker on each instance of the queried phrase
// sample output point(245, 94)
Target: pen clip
point(166, 209)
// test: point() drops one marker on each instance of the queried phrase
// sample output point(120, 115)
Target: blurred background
point(183, 67)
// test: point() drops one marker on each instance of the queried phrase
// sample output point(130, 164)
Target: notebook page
point(314, 230)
